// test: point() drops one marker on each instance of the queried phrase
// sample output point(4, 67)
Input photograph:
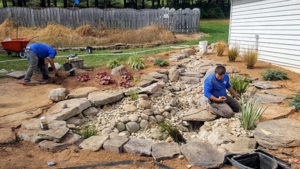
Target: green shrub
point(251, 112)
point(136, 62)
point(113, 63)
point(296, 102)
point(233, 53)
point(271, 75)
point(133, 93)
point(250, 58)
point(161, 62)
point(87, 131)
point(239, 84)
point(172, 131)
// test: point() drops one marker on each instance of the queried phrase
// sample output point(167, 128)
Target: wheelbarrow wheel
point(22, 54)
point(9, 52)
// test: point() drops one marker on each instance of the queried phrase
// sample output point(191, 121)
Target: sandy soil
point(15, 98)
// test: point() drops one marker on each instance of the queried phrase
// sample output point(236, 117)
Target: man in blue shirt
point(36, 54)
point(215, 86)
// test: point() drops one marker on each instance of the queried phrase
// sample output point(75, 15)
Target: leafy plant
point(251, 112)
point(295, 102)
point(125, 81)
point(104, 78)
point(83, 78)
point(239, 84)
point(134, 93)
point(87, 131)
point(220, 48)
point(113, 63)
point(271, 75)
point(233, 53)
point(161, 62)
point(172, 131)
point(136, 62)
point(250, 58)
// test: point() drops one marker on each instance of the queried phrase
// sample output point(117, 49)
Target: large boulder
point(118, 71)
point(7, 136)
point(58, 94)
point(73, 107)
point(278, 133)
point(81, 92)
point(163, 150)
point(132, 127)
point(201, 114)
point(138, 147)
point(93, 143)
point(105, 97)
point(202, 154)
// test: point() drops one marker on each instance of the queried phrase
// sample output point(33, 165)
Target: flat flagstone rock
point(202, 154)
point(267, 98)
point(81, 92)
point(58, 94)
point(151, 89)
point(200, 114)
point(138, 147)
point(173, 75)
point(156, 75)
point(163, 150)
point(163, 71)
point(242, 145)
point(278, 133)
point(105, 97)
point(68, 140)
point(275, 112)
point(115, 144)
point(74, 107)
point(145, 83)
point(190, 80)
point(176, 57)
point(17, 74)
point(93, 143)
point(192, 74)
point(264, 85)
point(92, 111)
point(7, 136)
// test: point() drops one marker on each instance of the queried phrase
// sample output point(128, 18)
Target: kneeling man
point(215, 90)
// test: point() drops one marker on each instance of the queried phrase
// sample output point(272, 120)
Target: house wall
point(271, 26)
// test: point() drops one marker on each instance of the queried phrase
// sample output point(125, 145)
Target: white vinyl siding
point(276, 23)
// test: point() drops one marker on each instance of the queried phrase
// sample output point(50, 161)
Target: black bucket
point(67, 66)
point(255, 160)
point(89, 50)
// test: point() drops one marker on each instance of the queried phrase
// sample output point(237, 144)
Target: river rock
point(278, 133)
point(139, 147)
point(132, 127)
point(144, 124)
point(129, 108)
point(143, 104)
point(162, 150)
point(121, 126)
point(202, 154)
point(105, 97)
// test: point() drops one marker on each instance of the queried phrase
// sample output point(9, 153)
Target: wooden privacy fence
point(179, 21)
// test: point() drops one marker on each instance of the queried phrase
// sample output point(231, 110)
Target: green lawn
point(216, 29)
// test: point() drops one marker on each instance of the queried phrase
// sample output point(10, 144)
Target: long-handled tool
point(32, 83)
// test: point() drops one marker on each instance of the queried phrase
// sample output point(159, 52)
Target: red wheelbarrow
point(15, 46)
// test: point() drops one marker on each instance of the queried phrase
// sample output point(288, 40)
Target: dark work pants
point(226, 109)
point(34, 63)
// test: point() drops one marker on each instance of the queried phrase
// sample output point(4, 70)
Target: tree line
point(209, 8)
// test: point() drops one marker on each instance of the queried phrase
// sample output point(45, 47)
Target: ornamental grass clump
point(250, 57)
point(172, 131)
point(113, 64)
point(239, 83)
point(251, 112)
point(233, 53)
point(220, 48)
point(136, 62)
point(295, 102)
point(272, 75)
point(87, 131)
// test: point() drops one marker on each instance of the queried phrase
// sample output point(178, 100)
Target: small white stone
point(189, 166)
point(181, 157)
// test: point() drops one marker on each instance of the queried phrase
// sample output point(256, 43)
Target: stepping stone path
point(93, 143)
point(115, 144)
point(278, 133)
point(74, 107)
point(265, 85)
point(105, 97)
point(202, 154)
point(267, 98)
point(17, 74)
point(81, 92)
point(200, 114)
point(139, 147)
point(7, 136)
point(162, 150)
